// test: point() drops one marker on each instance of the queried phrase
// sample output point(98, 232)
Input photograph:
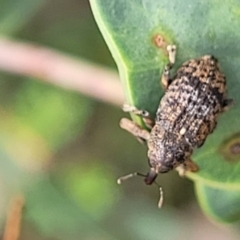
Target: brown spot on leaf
point(230, 148)
point(235, 149)
point(159, 41)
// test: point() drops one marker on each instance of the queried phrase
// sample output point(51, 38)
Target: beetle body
point(186, 115)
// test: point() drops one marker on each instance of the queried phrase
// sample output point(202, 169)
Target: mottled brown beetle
point(186, 115)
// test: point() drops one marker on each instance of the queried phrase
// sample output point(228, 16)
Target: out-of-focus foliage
point(64, 151)
point(56, 127)
point(15, 14)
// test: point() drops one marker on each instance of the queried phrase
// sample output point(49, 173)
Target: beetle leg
point(165, 79)
point(188, 165)
point(227, 103)
point(141, 134)
point(142, 113)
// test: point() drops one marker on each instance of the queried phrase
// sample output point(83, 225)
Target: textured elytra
point(187, 113)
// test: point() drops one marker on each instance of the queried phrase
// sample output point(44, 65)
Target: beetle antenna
point(121, 179)
point(160, 202)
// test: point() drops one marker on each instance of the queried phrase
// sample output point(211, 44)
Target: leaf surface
point(197, 28)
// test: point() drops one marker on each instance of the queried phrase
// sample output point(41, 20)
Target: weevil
point(186, 115)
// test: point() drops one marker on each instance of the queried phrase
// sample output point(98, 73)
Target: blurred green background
point(64, 151)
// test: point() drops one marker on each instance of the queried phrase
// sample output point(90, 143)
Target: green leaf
point(197, 28)
point(220, 204)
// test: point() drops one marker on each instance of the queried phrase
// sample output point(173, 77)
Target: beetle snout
point(151, 176)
